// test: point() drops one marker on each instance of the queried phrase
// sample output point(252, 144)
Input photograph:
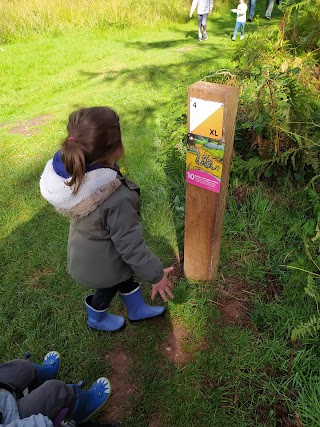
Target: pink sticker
point(203, 180)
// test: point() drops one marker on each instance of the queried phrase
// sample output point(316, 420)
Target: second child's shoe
point(48, 370)
point(241, 37)
point(199, 39)
point(88, 403)
point(233, 39)
point(205, 36)
point(137, 309)
point(102, 320)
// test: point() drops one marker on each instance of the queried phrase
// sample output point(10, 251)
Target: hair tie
point(71, 139)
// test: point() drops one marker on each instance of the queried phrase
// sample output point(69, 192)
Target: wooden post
point(204, 208)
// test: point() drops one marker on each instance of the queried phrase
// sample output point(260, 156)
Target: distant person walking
point(252, 9)
point(269, 8)
point(241, 12)
point(204, 8)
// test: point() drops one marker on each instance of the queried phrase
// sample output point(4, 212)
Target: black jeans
point(103, 297)
point(48, 399)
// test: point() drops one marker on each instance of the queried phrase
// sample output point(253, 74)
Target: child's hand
point(163, 287)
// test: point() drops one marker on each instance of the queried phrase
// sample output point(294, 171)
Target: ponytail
point(95, 135)
point(74, 160)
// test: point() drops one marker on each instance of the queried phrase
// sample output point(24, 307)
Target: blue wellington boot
point(137, 309)
point(102, 320)
point(89, 402)
point(48, 370)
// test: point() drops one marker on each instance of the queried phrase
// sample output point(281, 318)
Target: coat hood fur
point(96, 186)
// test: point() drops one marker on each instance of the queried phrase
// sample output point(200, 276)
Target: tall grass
point(23, 20)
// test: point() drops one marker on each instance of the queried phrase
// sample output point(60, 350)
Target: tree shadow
point(164, 44)
point(156, 74)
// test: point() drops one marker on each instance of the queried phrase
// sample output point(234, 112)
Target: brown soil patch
point(156, 422)
point(185, 49)
point(30, 127)
point(173, 345)
point(37, 279)
point(121, 389)
point(178, 272)
point(233, 301)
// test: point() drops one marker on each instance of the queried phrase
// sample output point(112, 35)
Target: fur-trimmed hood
point(97, 185)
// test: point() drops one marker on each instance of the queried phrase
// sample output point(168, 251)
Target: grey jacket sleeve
point(125, 228)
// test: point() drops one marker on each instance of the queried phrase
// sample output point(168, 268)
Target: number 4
point(194, 105)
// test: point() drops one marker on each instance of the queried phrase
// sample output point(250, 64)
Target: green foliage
point(278, 112)
point(301, 24)
point(311, 327)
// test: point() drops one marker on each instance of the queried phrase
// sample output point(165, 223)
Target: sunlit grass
point(24, 20)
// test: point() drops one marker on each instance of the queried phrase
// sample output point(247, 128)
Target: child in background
point(241, 19)
point(106, 245)
point(204, 8)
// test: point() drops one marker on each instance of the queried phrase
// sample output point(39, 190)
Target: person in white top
point(204, 8)
point(241, 12)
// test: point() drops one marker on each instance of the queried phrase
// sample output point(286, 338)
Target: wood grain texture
point(205, 209)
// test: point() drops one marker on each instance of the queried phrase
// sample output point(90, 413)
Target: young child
point(48, 401)
point(106, 245)
point(241, 12)
point(204, 8)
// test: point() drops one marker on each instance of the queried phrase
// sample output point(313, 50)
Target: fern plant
point(312, 289)
point(300, 24)
point(312, 326)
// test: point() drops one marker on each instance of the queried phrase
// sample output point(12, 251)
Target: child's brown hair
point(93, 135)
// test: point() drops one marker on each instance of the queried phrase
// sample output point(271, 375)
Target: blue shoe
point(89, 402)
point(137, 309)
point(49, 368)
point(102, 320)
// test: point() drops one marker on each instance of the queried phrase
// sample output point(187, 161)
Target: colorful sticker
point(204, 162)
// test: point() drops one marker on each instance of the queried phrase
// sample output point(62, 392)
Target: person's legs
point(199, 27)
point(242, 25)
point(252, 8)
point(236, 28)
point(17, 374)
point(204, 26)
point(269, 8)
point(103, 297)
point(48, 399)
point(98, 317)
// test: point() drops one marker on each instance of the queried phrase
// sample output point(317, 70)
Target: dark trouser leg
point(48, 399)
point(128, 286)
point(102, 298)
point(252, 8)
point(17, 374)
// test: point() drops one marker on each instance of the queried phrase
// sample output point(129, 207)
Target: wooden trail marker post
point(212, 110)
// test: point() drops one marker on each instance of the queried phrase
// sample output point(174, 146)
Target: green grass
point(236, 376)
